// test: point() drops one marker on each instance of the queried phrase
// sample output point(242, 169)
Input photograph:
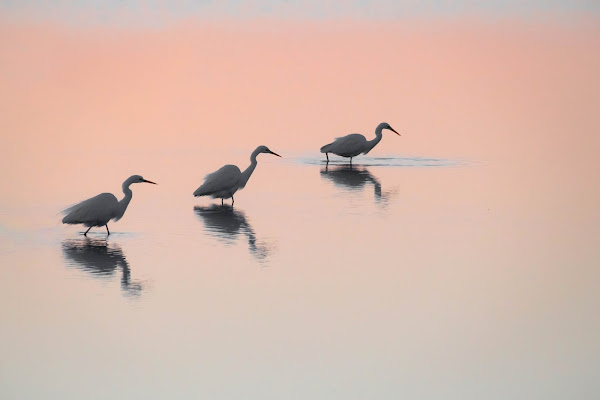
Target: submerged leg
point(107, 229)
point(85, 234)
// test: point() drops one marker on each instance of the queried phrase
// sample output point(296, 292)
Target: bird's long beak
point(392, 129)
point(275, 154)
point(150, 182)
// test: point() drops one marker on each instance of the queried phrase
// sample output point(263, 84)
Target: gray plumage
point(100, 209)
point(355, 143)
point(224, 182)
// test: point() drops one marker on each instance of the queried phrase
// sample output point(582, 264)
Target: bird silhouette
point(98, 210)
point(355, 143)
point(223, 183)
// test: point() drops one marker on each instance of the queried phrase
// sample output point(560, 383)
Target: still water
point(398, 277)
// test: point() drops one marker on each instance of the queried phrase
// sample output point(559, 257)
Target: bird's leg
point(327, 155)
point(350, 160)
point(232, 201)
point(107, 229)
point(85, 234)
point(221, 202)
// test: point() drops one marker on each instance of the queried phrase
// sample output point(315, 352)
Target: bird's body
point(224, 182)
point(96, 211)
point(100, 209)
point(355, 143)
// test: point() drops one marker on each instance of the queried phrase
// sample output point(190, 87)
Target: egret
point(355, 143)
point(223, 183)
point(98, 210)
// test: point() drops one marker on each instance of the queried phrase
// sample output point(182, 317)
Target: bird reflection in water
point(225, 223)
point(354, 178)
point(101, 260)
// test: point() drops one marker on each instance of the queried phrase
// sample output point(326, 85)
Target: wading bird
point(223, 183)
point(355, 143)
point(100, 209)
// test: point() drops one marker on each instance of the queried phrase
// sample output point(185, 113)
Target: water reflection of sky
point(443, 275)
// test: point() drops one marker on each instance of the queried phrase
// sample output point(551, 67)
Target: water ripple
point(384, 161)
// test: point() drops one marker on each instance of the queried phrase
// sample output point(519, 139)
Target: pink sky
point(292, 83)
point(504, 91)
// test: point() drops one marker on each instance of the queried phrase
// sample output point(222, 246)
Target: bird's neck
point(125, 200)
point(373, 143)
point(246, 174)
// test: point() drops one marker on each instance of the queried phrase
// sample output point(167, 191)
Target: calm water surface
point(398, 277)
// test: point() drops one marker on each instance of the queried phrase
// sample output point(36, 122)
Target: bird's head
point(137, 179)
point(265, 149)
point(385, 125)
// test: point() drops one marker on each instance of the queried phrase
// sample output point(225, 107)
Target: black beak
point(275, 154)
point(392, 129)
point(150, 182)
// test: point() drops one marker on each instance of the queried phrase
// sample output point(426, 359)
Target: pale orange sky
point(293, 84)
point(488, 92)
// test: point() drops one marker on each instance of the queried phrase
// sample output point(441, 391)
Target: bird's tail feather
point(72, 214)
point(69, 216)
point(326, 148)
point(69, 209)
point(199, 192)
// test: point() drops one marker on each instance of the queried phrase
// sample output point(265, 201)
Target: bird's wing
point(97, 208)
point(342, 143)
point(224, 178)
point(351, 138)
point(347, 143)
